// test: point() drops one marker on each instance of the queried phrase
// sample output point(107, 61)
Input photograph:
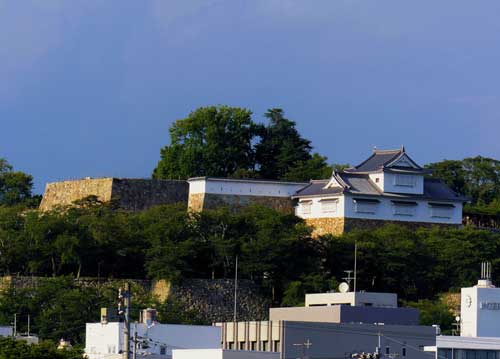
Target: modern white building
point(105, 340)
point(388, 186)
point(222, 354)
point(479, 324)
point(354, 299)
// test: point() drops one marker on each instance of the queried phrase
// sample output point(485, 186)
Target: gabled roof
point(386, 159)
point(361, 184)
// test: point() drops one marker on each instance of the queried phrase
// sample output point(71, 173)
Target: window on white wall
point(441, 210)
point(329, 205)
point(405, 180)
point(306, 207)
point(362, 205)
point(404, 208)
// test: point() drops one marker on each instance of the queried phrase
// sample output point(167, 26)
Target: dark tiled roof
point(316, 188)
point(360, 184)
point(382, 158)
point(377, 160)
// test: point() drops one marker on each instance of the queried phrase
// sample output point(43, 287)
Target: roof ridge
point(388, 151)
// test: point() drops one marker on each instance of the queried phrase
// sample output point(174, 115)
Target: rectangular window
point(264, 346)
point(163, 350)
point(230, 345)
point(387, 350)
point(404, 208)
point(306, 207)
point(276, 346)
point(441, 210)
point(253, 346)
point(403, 352)
point(242, 345)
point(405, 180)
point(329, 205)
point(365, 206)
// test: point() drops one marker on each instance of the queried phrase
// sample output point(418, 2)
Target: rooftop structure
point(387, 187)
point(355, 299)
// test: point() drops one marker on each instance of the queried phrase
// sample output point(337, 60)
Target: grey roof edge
point(388, 195)
point(375, 152)
point(257, 180)
point(403, 153)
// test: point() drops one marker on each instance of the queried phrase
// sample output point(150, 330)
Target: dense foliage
point(476, 177)
point(225, 141)
point(15, 186)
point(18, 349)
point(274, 249)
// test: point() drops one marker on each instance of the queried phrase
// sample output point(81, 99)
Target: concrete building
point(328, 340)
point(221, 354)
point(387, 187)
point(105, 340)
point(337, 325)
point(479, 323)
point(355, 299)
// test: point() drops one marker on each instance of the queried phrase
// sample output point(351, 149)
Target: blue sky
point(90, 87)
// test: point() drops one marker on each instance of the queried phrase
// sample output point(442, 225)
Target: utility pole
point(124, 303)
point(134, 353)
point(235, 291)
point(355, 264)
point(29, 322)
point(15, 325)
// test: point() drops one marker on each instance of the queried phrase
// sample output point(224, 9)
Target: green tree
point(282, 148)
point(58, 308)
point(477, 177)
point(18, 349)
point(211, 141)
point(15, 187)
point(434, 313)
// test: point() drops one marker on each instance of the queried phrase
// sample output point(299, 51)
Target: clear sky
point(90, 87)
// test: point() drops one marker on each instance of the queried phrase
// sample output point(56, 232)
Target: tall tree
point(283, 153)
point(211, 141)
point(281, 146)
point(477, 177)
point(15, 187)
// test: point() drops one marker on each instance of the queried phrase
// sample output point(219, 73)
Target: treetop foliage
point(224, 141)
point(15, 187)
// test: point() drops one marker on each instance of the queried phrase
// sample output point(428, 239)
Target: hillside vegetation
point(275, 250)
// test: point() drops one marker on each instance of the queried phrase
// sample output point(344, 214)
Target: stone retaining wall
point(199, 202)
point(338, 226)
point(212, 299)
point(128, 194)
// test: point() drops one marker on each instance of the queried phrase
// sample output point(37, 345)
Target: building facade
point(479, 322)
point(387, 187)
point(335, 326)
point(105, 340)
